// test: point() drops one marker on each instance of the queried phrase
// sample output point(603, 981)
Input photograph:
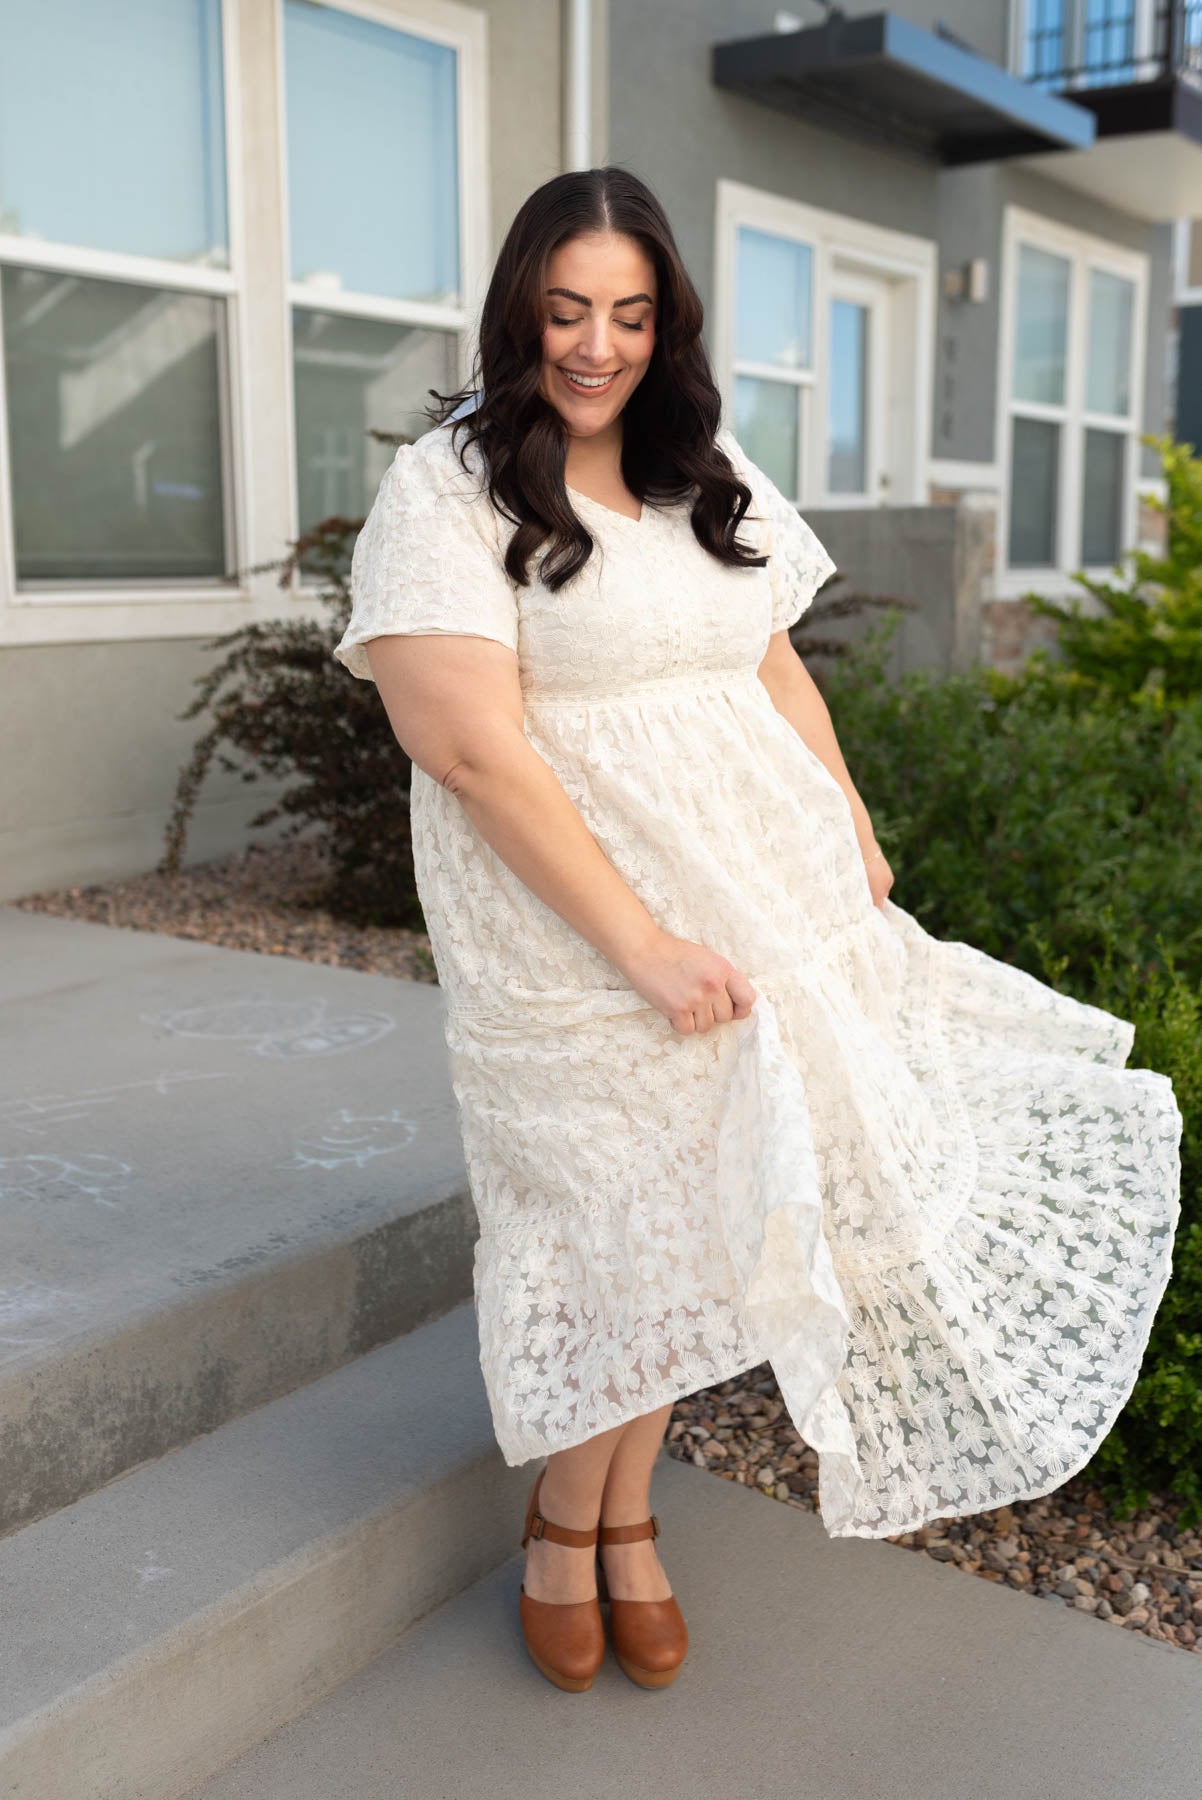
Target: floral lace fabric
point(917, 1181)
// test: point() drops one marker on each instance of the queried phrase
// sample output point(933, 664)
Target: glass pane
point(847, 410)
point(112, 127)
point(114, 429)
point(1034, 492)
point(1042, 325)
point(1102, 501)
point(354, 376)
point(1111, 309)
point(773, 282)
point(766, 426)
point(1044, 47)
point(373, 165)
point(1108, 43)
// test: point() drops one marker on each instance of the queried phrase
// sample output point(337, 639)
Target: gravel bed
point(259, 899)
point(1142, 1574)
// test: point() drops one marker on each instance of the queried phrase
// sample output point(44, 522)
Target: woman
point(722, 1100)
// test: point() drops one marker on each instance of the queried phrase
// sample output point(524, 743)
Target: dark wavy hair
point(670, 420)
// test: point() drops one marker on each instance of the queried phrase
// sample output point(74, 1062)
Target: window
point(824, 329)
point(1085, 43)
point(375, 244)
point(116, 290)
point(1070, 367)
point(774, 350)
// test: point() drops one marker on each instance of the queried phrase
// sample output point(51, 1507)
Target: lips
point(579, 388)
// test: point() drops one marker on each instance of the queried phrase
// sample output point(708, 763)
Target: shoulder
point(429, 484)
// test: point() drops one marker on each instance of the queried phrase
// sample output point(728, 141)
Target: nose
point(597, 343)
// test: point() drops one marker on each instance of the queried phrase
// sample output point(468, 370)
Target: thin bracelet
point(877, 852)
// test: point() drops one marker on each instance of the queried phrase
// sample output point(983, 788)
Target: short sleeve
point(427, 557)
point(798, 562)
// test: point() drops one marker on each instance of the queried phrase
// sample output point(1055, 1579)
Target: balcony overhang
point(883, 79)
point(1147, 157)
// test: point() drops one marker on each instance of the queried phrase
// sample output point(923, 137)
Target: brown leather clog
point(565, 1638)
point(650, 1638)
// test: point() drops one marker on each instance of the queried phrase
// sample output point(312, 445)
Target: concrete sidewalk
point(818, 1669)
point(221, 1174)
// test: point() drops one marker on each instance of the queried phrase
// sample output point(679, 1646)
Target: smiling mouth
point(590, 384)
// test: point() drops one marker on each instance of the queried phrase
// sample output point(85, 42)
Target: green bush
point(1148, 634)
point(1058, 825)
point(1156, 1443)
point(1023, 809)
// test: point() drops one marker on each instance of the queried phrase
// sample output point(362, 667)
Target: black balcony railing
point(1071, 44)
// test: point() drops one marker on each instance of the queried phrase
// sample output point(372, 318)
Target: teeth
point(589, 380)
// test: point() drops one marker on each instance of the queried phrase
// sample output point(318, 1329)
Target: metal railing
point(1109, 43)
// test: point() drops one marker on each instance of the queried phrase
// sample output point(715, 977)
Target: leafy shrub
point(1148, 635)
point(279, 701)
point(1156, 1442)
point(1024, 809)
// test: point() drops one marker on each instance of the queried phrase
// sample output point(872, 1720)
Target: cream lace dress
point(915, 1180)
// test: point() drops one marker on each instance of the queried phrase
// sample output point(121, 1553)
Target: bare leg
point(570, 1495)
point(634, 1571)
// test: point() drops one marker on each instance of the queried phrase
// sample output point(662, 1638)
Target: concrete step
point(157, 1628)
point(221, 1175)
point(817, 1670)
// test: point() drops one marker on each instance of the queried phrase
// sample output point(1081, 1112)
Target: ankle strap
point(560, 1534)
point(630, 1534)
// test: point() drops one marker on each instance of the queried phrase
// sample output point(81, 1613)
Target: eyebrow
point(583, 299)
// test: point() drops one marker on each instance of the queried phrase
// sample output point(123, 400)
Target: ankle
point(577, 1511)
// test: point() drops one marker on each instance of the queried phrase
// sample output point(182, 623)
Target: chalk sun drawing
point(355, 1138)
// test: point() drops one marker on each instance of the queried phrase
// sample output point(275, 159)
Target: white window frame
point(1084, 252)
point(262, 454)
point(464, 30)
point(834, 238)
point(110, 599)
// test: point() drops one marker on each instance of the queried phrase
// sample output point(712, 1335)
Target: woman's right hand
point(693, 987)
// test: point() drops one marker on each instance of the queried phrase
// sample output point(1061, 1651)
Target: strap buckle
point(536, 1525)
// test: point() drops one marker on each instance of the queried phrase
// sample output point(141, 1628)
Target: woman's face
point(599, 322)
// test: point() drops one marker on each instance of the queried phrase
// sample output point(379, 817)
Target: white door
point(857, 452)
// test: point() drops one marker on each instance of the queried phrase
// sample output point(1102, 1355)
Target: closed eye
point(621, 322)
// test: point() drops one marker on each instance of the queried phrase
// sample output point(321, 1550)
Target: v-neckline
point(611, 510)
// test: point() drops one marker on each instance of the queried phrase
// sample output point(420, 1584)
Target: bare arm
point(795, 696)
point(455, 706)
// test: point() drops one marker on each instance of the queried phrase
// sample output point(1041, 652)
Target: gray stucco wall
point(90, 741)
point(672, 126)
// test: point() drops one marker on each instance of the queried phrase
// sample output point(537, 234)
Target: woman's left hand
point(880, 875)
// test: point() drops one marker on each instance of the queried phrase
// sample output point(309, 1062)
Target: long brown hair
point(670, 420)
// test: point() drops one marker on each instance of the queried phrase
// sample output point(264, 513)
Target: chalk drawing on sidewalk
point(25, 1305)
point(41, 1178)
point(283, 1030)
point(35, 1115)
point(152, 1569)
point(354, 1138)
